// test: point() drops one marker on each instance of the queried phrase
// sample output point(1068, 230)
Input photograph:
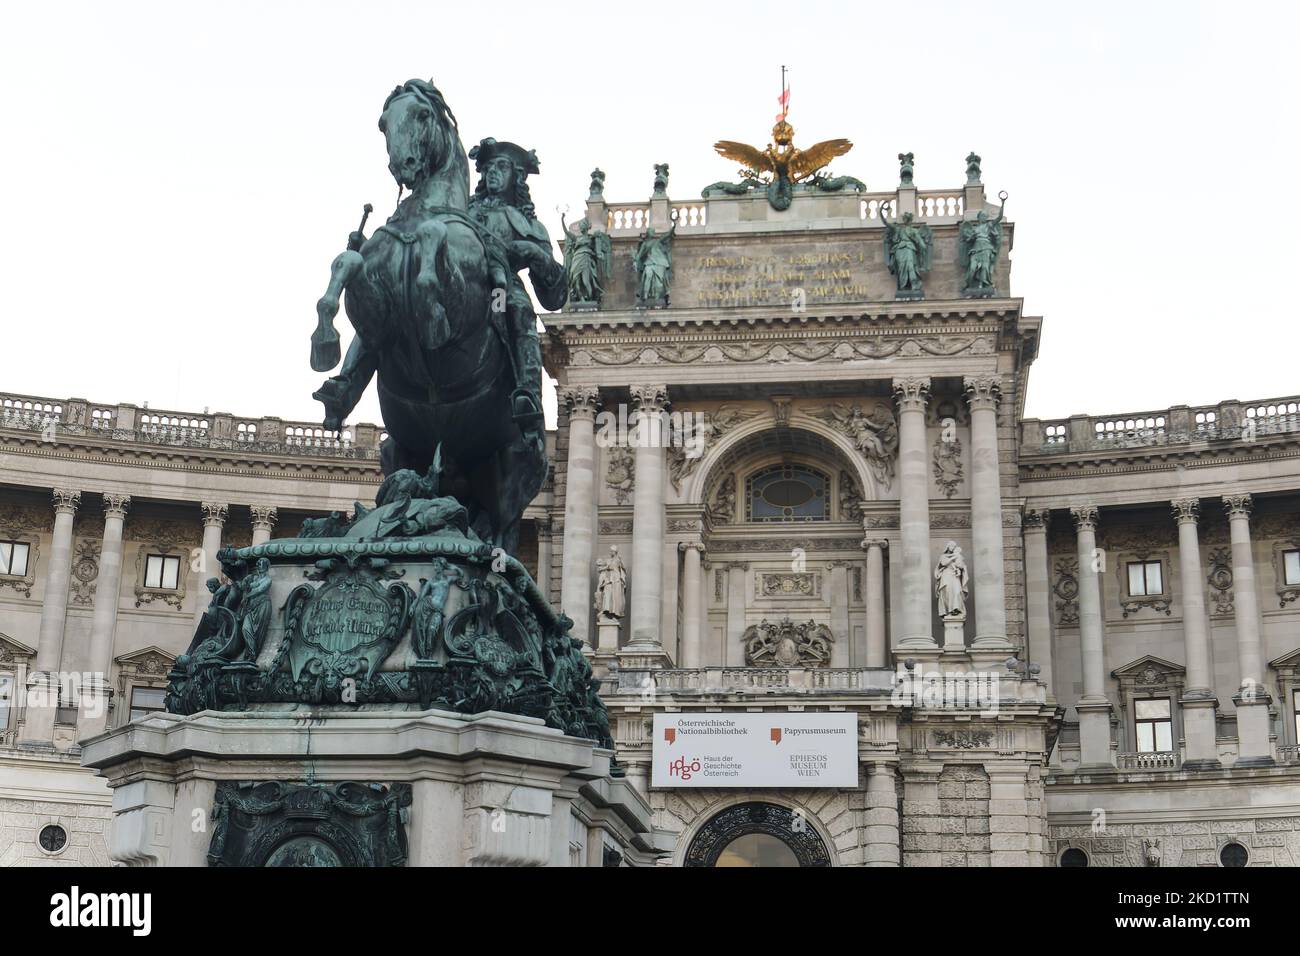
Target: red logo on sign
point(680, 768)
point(776, 735)
point(670, 734)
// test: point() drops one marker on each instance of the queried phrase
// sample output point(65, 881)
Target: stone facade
point(822, 442)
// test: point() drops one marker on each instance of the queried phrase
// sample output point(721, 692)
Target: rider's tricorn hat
point(489, 149)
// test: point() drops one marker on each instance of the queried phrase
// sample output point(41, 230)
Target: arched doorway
point(757, 834)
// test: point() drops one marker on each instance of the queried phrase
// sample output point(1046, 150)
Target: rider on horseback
point(503, 206)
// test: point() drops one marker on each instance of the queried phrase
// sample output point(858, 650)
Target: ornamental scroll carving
point(807, 350)
point(792, 585)
point(786, 644)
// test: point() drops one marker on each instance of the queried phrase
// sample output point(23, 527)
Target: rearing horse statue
point(420, 298)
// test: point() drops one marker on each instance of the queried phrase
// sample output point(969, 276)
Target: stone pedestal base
point(954, 634)
point(1095, 751)
point(633, 659)
point(437, 788)
point(42, 704)
point(1253, 731)
point(1199, 732)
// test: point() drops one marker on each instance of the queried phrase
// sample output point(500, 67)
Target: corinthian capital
point(1186, 510)
point(1036, 519)
point(1237, 506)
point(649, 398)
point(214, 514)
point(912, 393)
point(1085, 517)
point(264, 516)
point(115, 505)
point(66, 501)
point(582, 401)
point(983, 391)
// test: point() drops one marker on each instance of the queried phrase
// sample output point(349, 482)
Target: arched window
point(757, 834)
point(787, 493)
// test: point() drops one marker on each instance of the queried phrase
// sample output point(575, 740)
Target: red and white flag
point(784, 100)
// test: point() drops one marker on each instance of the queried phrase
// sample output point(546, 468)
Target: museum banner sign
point(755, 750)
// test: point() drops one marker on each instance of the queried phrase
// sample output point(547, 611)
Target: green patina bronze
point(978, 243)
point(908, 247)
point(905, 168)
point(416, 602)
point(653, 262)
point(442, 319)
point(270, 823)
point(587, 261)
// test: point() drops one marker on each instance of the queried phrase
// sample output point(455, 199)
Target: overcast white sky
point(175, 178)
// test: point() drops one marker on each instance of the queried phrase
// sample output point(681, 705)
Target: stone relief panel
point(786, 644)
point(620, 472)
point(788, 585)
point(1220, 581)
point(1065, 590)
point(85, 569)
point(947, 465)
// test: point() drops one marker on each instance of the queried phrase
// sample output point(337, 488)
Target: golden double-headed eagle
point(782, 160)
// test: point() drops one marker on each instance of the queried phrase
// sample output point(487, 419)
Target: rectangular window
point(1291, 567)
point(13, 558)
point(1144, 578)
point(1155, 725)
point(146, 700)
point(162, 571)
point(6, 700)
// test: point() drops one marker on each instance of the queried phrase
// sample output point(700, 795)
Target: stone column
point(880, 831)
point(103, 627)
point(1198, 702)
point(1009, 823)
point(38, 726)
point(692, 610)
point(264, 517)
point(1093, 707)
point(544, 556)
point(839, 595)
point(914, 514)
point(922, 825)
point(579, 508)
point(733, 653)
point(1038, 590)
point(214, 520)
point(646, 574)
point(877, 642)
point(986, 514)
point(1252, 698)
